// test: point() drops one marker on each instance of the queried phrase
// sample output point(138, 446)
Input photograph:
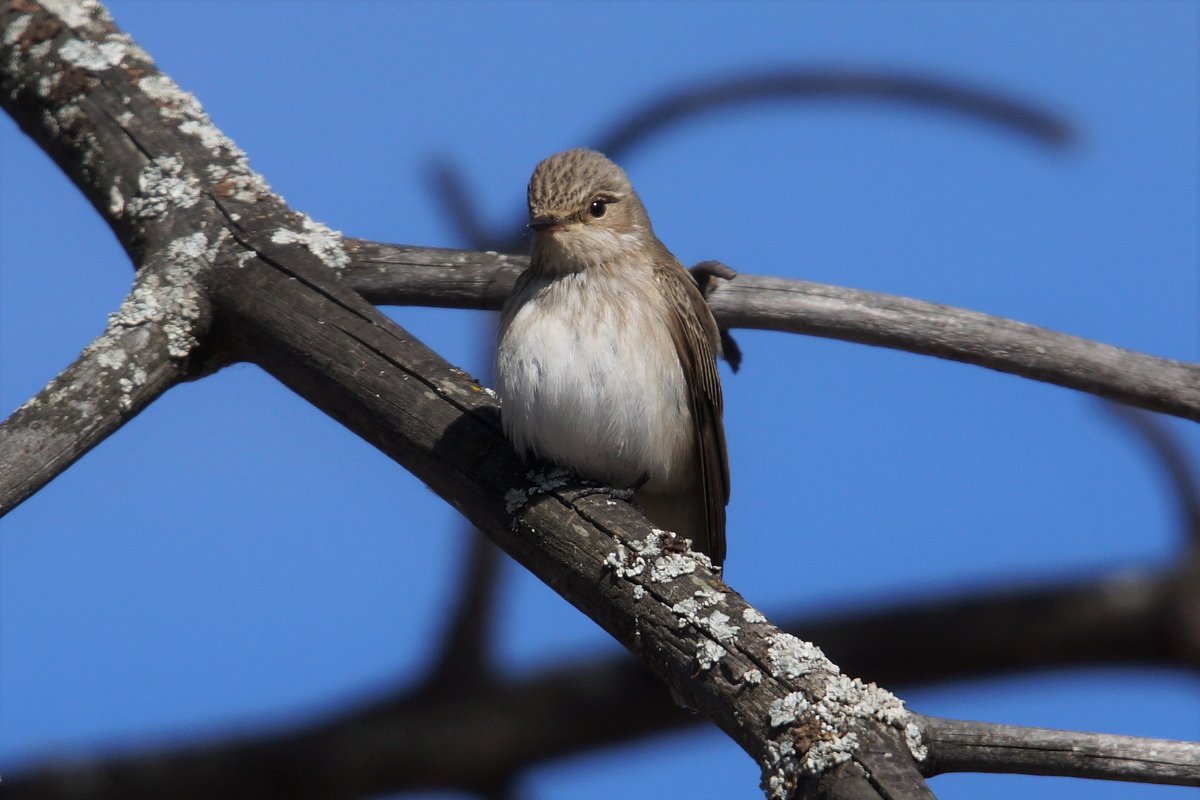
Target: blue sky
point(232, 558)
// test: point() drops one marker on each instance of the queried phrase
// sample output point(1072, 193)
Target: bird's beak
point(545, 222)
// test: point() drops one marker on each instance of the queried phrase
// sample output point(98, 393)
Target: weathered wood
point(990, 747)
point(403, 275)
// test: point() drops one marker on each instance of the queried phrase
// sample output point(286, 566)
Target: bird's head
point(583, 211)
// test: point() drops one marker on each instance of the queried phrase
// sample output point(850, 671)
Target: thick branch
point(337, 351)
point(959, 746)
point(399, 275)
point(277, 303)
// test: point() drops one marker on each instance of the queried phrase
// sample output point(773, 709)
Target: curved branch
point(1172, 458)
point(960, 746)
point(674, 107)
point(400, 275)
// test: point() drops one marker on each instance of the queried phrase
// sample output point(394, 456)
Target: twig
point(960, 746)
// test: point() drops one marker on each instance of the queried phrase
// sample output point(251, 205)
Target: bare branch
point(677, 106)
point(673, 107)
point(266, 271)
point(959, 746)
point(1171, 457)
point(391, 274)
point(377, 379)
point(577, 707)
point(172, 186)
point(466, 654)
point(117, 376)
point(449, 185)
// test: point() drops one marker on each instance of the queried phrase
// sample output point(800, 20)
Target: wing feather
point(698, 342)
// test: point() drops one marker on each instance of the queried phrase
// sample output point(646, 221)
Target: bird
point(606, 353)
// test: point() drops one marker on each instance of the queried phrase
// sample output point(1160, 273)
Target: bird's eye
point(597, 208)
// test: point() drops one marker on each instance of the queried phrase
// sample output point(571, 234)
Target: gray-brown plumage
point(607, 356)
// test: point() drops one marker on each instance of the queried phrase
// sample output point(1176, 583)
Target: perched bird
point(606, 361)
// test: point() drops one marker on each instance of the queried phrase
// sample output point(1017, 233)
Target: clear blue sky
point(232, 558)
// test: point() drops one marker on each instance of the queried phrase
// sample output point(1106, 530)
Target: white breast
point(588, 377)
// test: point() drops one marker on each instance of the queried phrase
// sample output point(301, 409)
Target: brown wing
point(698, 342)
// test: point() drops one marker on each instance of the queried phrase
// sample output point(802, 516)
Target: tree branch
point(400, 275)
point(674, 107)
point(412, 739)
point(118, 375)
point(1172, 458)
point(1017, 116)
point(959, 746)
point(275, 302)
point(172, 187)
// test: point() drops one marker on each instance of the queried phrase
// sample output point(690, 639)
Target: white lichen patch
point(667, 557)
point(781, 770)
point(73, 13)
point(209, 135)
point(670, 566)
point(717, 624)
point(173, 307)
point(543, 483)
point(162, 185)
point(91, 56)
point(702, 559)
point(639, 592)
point(235, 180)
point(192, 246)
point(175, 105)
point(709, 654)
point(322, 241)
point(753, 616)
point(787, 709)
point(916, 745)
point(687, 611)
point(116, 200)
point(46, 84)
point(16, 29)
point(752, 677)
point(111, 358)
point(845, 698)
point(827, 754)
point(623, 564)
point(40, 50)
point(792, 657)
point(827, 724)
point(126, 399)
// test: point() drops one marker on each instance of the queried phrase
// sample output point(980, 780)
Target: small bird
point(606, 362)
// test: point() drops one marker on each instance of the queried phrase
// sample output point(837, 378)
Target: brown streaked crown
point(565, 183)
